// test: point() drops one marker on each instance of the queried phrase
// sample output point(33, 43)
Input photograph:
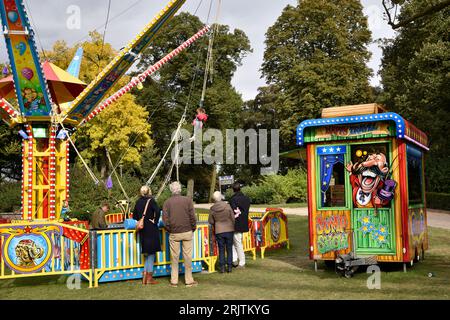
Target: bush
point(86, 197)
point(437, 200)
point(278, 189)
point(10, 196)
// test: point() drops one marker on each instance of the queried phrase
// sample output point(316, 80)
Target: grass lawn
point(284, 274)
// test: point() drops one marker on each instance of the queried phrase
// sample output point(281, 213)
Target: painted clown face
point(371, 171)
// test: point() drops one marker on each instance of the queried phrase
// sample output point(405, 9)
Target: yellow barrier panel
point(247, 238)
point(274, 226)
point(118, 254)
point(32, 249)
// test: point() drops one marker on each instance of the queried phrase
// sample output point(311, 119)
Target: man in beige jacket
point(180, 221)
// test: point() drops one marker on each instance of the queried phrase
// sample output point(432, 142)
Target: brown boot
point(150, 279)
point(144, 277)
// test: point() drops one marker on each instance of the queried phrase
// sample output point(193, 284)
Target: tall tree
point(122, 129)
point(427, 8)
point(179, 84)
point(316, 54)
point(416, 83)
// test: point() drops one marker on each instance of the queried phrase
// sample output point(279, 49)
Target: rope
point(94, 178)
point(191, 89)
point(117, 176)
point(104, 32)
point(209, 57)
point(175, 137)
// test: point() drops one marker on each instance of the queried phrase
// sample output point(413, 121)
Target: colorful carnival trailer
point(366, 190)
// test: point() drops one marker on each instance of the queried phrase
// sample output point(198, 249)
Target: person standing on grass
point(180, 222)
point(149, 235)
point(221, 216)
point(240, 204)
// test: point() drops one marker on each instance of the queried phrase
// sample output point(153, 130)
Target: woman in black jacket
point(150, 242)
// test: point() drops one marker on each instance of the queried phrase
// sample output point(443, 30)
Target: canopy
point(62, 85)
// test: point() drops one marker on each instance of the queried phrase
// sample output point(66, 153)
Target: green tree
point(427, 8)
point(121, 124)
point(180, 82)
point(416, 83)
point(10, 153)
point(316, 55)
point(113, 131)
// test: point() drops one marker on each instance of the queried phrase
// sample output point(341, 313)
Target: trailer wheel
point(350, 272)
point(330, 264)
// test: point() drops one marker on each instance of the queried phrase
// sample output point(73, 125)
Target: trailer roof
point(403, 128)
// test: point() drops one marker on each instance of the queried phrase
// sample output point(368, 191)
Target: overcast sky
point(128, 17)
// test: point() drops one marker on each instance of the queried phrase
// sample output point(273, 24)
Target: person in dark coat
point(149, 235)
point(240, 204)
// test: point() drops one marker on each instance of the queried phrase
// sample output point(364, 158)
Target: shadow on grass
point(33, 281)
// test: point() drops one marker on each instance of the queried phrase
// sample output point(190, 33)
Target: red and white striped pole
point(52, 172)
point(67, 169)
point(141, 77)
point(30, 161)
point(8, 108)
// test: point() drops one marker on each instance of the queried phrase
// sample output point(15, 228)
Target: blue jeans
point(149, 261)
point(225, 241)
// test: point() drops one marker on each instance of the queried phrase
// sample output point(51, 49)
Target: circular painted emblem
point(275, 229)
point(27, 253)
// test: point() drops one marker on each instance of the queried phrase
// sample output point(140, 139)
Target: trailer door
point(373, 190)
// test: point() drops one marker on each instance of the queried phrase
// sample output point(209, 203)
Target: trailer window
point(332, 176)
point(415, 177)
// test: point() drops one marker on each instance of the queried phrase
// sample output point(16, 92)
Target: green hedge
point(277, 188)
point(10, 196)
point(437, 200)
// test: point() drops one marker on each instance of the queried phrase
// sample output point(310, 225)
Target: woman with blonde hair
point(147, 207)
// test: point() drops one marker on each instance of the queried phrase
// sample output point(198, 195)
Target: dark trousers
point(225, 241)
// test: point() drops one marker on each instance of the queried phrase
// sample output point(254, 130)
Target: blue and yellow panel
point(29, 81)
point(119, 254)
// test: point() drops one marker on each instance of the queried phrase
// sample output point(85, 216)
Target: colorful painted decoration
point(27, 73)
point(368, 178)
point(377, 232)
point(275, 229)
point(331, 232)
point(13, 16)
point(29, 81)
point(21, 47)
point(28, 249)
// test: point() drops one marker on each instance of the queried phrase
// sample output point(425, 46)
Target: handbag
point(140, 224)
